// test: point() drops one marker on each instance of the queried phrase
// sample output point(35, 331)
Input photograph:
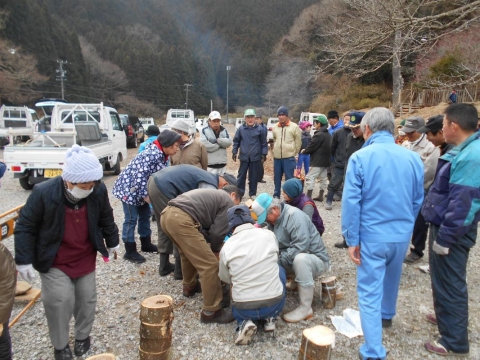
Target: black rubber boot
point(64, 354)
point(166, 267)
point(309, 193)
point(320, 196)
point(81, 346)
point(177, 274)
point(147, 245)
point(328, 204)
point(131, 253)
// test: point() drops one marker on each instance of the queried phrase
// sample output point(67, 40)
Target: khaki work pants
point(196, 254)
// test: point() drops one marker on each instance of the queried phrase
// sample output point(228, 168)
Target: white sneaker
point(245, 332)
point(269, 324)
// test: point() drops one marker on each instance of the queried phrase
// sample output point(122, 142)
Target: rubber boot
point(177, 274)
point(328, 204)
point(131, 253)
point(309, 193)
point(166, 267)
point(320, 196)
point(304, 310)
point(147, 245)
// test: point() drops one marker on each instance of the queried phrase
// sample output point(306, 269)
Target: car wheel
point(116, 168)
point(25, 184)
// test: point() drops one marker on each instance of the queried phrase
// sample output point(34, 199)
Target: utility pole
point(61, 75)
point(228, 70)
point(186, 102)
point(211, 105)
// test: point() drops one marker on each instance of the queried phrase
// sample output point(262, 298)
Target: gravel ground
point(121, 287)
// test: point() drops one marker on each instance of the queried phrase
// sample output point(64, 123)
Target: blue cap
point(355, 119)
point(260, 206)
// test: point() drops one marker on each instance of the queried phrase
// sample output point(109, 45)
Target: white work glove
point(111, 251)
point(439, 249)
point(27, 272)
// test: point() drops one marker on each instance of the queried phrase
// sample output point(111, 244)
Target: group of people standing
point(389, 192)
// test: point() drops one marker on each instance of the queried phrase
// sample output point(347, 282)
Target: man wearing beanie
point(166, 185)
point(249, 261)
point(320, 159)
point(294, 196)
point(191, 151)
point(152, 132)
point(131, 189)
point(334, 122)
point(287, 139)
point(64, 223)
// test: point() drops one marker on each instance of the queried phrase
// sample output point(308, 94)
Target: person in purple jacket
point(294, 196)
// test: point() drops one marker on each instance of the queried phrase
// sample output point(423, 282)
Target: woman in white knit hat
point(131, 189)
point(64, 223)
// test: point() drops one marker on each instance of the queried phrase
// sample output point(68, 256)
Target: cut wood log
point(156, 309)
point(329, 295)
point(166, 355)
point(102, 357)
point(156, 316)
point(317, 343)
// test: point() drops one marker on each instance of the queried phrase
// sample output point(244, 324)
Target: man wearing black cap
point(287, 139)
point(166, 185)
point(338, 150)
point(354, 143)
point(258, 280)
point(429, 154)
point(434, 132)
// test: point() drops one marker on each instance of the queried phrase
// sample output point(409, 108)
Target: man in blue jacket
point(452, 207)
point(382, 196)
point(252, 142)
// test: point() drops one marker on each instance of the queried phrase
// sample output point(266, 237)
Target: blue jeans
point(280, 167)
point(304, 160)
point(132, 214)
point(266, 312)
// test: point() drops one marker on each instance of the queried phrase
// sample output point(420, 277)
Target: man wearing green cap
point(251, 140)
point(320, 161)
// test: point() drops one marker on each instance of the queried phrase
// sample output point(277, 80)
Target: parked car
point(133, 130)
point(239, 122)
point(184, 114)
point(270, 124)
point(146, 122)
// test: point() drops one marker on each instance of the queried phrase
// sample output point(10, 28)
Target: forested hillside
point(124, 51)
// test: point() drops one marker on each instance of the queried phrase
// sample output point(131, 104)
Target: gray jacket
point(296, 234)
point(216, 144)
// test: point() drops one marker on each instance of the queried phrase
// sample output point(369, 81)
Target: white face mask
point(80, 193)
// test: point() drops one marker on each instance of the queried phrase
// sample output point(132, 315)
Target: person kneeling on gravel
point(196, 222)
point(64, 223)
point(302, 251)
point(249, 261)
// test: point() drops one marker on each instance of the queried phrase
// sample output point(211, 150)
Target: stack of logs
point(156, 317)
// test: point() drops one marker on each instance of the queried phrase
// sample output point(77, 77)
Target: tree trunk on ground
point(317, 343)
point(156, 316)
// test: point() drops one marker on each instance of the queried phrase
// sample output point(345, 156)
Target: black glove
point(213, 141)
point(234, 157)
point(264, 157)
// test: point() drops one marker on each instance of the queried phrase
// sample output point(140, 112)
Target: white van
point(187, 115)
point(270, 124)
point(239, 122)
point(308, 116)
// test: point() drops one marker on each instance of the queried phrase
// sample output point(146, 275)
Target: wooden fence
point(431, 97)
